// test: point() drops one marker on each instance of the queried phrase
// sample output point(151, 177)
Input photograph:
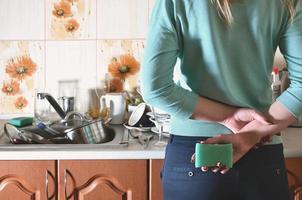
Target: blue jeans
point(259, 175)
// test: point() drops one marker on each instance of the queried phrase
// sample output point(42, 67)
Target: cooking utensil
point(13, 134)
point(144, 140)
point(83, 130)
point(25, 136)
point(67, 103)
point(43, 126)
point(34, 138)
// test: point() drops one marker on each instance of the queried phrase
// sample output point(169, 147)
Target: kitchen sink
point(116, 138)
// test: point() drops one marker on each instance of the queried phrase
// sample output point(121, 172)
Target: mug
point(117, 105)
point(138, 117)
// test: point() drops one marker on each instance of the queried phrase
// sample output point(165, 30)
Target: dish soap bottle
point(276, 84)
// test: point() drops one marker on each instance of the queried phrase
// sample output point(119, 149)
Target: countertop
point(292, 140)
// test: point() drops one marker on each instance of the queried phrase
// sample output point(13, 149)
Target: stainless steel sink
point(118, 138)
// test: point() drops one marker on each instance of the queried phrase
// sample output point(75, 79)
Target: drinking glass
point(159, 123)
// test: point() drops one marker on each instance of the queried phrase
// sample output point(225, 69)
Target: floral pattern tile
point(21, 71)
point(111, 49)
point(71, 19)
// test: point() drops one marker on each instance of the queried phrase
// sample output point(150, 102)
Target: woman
point(226, 50)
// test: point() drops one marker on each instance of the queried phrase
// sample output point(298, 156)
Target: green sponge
point(210, 154)
point(21, 121)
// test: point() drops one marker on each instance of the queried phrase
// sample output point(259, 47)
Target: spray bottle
point(276, 84)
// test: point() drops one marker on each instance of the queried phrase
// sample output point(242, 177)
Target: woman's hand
point(250, 135)
point(241, 117)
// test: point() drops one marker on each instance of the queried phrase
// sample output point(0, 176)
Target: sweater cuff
point(189, 106)
point(292, 103)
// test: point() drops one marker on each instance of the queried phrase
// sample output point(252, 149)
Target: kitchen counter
point(292, 140)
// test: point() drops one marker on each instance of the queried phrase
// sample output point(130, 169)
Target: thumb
point(220, 139)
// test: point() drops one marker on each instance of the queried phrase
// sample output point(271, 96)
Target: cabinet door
point(294, 172)
point(155, 184)
point(27, 180)
point(103, 180)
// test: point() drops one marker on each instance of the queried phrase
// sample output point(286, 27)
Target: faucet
point(53, 103)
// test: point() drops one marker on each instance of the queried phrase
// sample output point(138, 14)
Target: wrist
point(211, 110)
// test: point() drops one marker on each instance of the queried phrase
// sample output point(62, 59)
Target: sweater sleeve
point(291, 48)
point(162, 50)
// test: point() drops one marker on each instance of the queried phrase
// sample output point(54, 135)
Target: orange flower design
point(116, 85)
point(21, 67)
point(124, 67)
point(62, 9)
point(11, 88)
point(72, 25)
point(70, 1)
point(21, 103)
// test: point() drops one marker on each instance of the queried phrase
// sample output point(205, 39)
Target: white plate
point(155, 130)
point(142, 129)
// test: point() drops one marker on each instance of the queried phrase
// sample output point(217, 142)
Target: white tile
point(83, 11)
point(22, 19)
point(71, 60)
point(13, 50)
point(151, 5)
point(122, 19)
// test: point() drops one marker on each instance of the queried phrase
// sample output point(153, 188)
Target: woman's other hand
point(249, 136)
point(241, 117)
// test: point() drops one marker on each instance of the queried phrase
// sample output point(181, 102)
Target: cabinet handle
point(47, 173)
point(65, 184)
point(66, 174)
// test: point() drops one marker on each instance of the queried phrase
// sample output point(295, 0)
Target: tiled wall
point(36, 31)
point(33, 34)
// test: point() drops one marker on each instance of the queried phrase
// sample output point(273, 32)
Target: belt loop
point(171, 138)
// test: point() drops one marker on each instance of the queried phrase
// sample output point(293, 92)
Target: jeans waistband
point(186, 138)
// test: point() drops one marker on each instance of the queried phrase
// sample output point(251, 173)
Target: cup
point(117, 105)
point(139, 118)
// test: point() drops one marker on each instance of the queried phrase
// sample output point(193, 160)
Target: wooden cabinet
point(103, 179)
point(27, 180)
point(294, 172)
point(155, 185)
point(98, 179)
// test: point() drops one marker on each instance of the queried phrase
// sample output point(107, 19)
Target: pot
point(83, 131)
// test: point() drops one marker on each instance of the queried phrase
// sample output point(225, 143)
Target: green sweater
point(229, 64)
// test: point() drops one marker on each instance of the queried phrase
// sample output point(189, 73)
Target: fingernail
point(204, 169)
point(193, 158)
point(224, 170)
point(215, 170)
